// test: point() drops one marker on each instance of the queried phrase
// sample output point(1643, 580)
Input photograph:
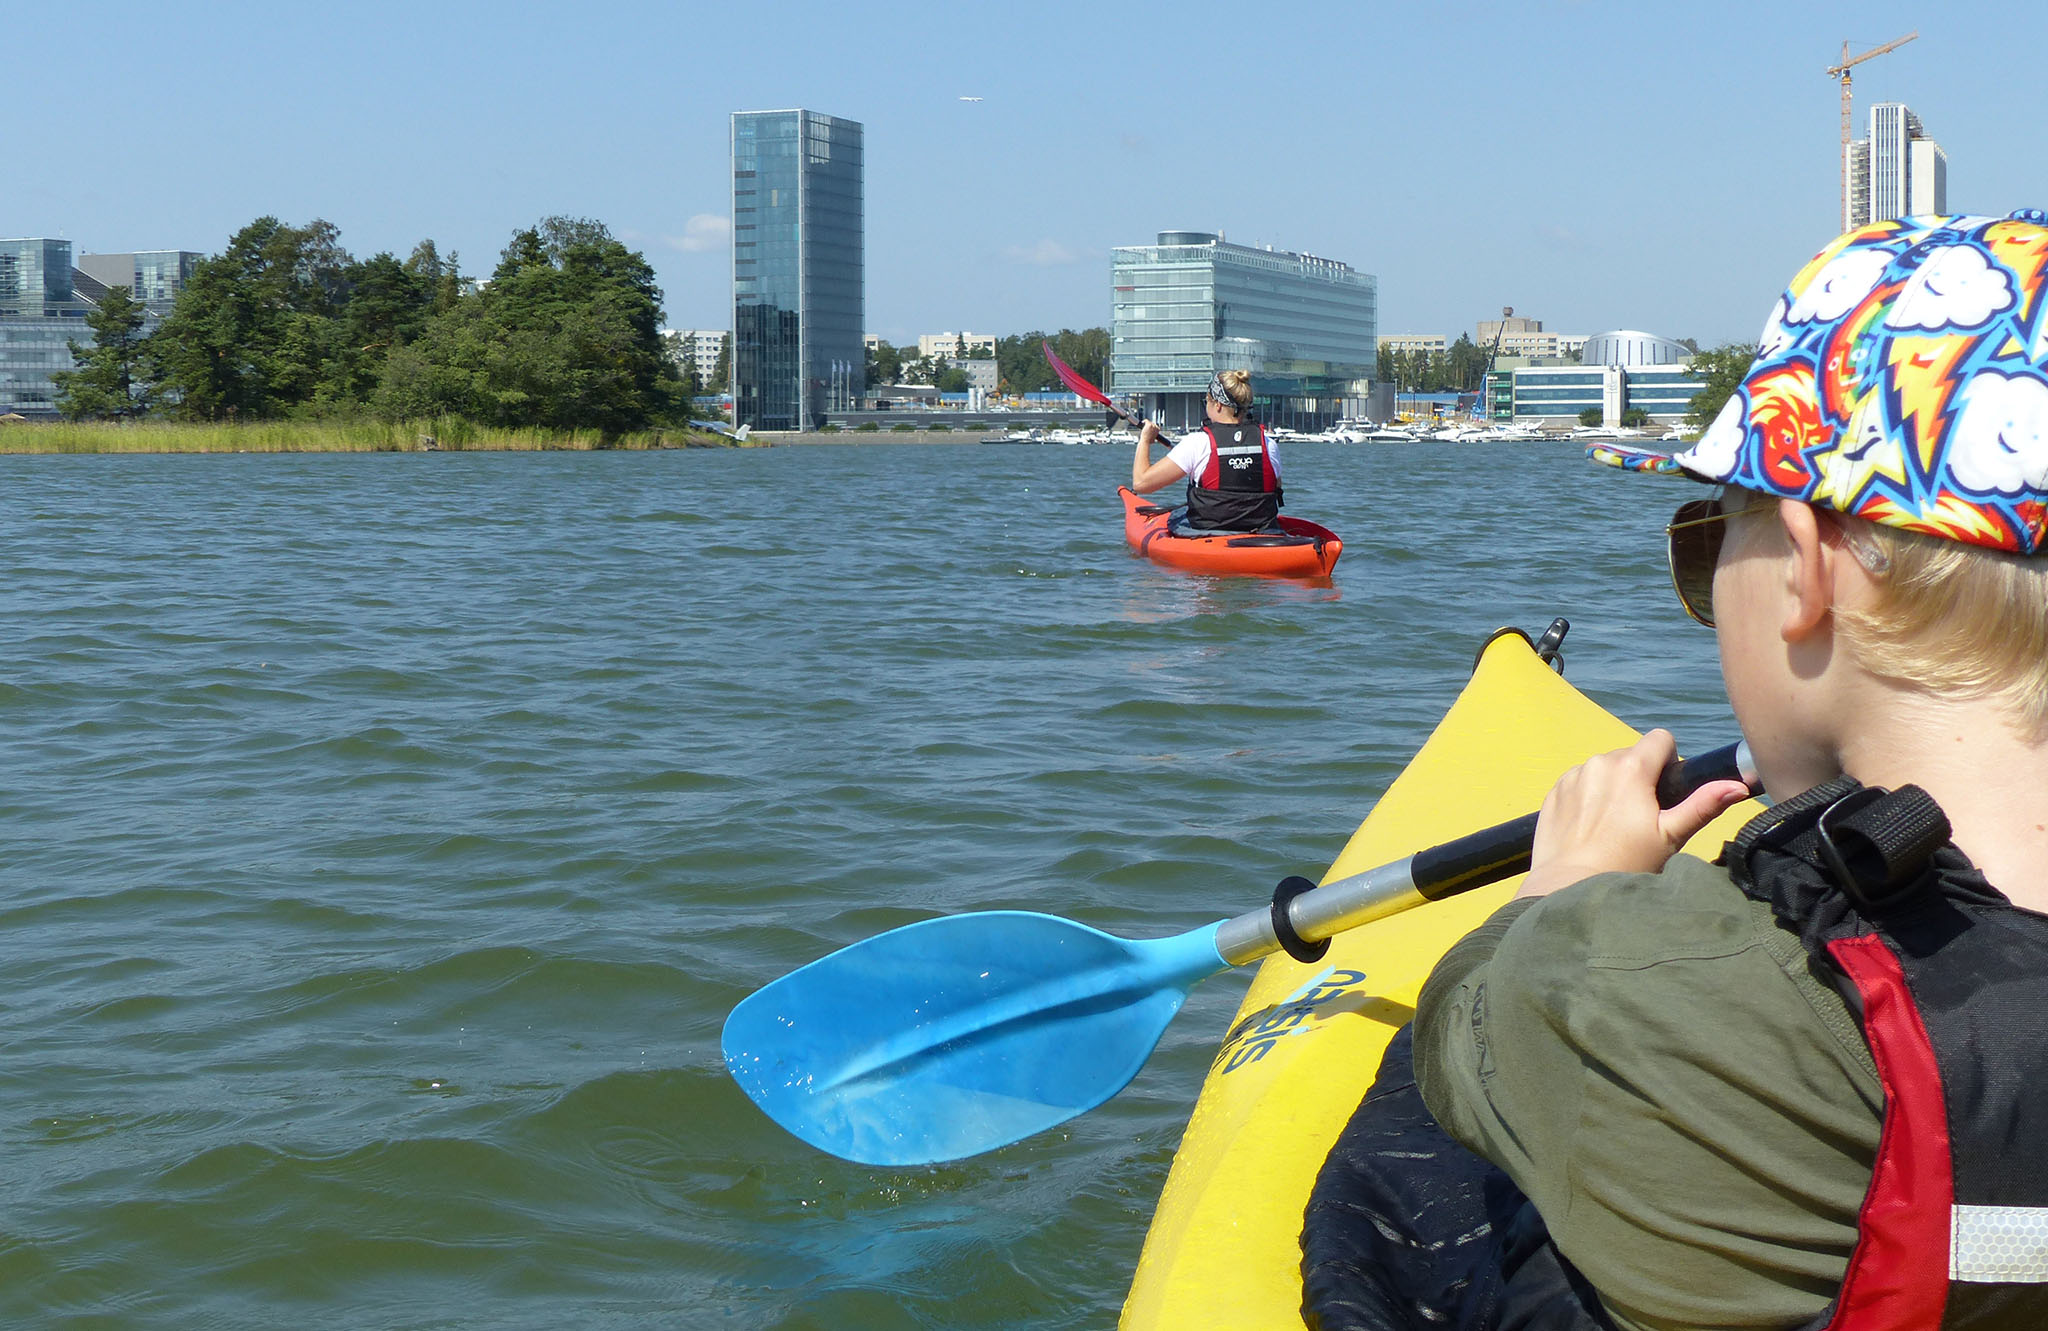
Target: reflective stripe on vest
point(1998, 1244)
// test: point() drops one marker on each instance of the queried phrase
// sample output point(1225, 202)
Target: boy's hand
point(1602, 817)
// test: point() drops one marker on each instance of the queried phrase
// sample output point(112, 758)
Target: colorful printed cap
point(1903, 378)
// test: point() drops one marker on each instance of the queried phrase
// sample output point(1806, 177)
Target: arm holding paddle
point(1147, 475)
point(1605, 816)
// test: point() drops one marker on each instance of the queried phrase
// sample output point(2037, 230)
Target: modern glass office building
point(1665, 393)
point(1561, 392)
point(798, 268)
point(154, 277)
point(40, 315)
point(1558, 393)
point(35, 280)
point(1306, 328)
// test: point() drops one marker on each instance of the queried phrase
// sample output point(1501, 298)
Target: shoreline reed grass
point(327, 436)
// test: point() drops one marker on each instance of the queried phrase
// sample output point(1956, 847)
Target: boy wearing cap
point(1807, 1085)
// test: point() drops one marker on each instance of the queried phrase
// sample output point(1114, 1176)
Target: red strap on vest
point(1898, 1275)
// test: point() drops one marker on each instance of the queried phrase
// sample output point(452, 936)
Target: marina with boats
point(1368, 432)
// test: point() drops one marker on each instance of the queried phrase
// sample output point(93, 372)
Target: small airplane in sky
point(970, 99)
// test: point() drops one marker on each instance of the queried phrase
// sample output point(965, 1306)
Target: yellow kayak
point(1224, 1246)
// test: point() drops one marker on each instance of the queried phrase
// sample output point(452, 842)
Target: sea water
point(386, 838)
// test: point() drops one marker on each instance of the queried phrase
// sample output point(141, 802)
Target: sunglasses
point(1693, 547)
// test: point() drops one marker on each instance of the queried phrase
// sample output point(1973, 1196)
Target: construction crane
point(1841, 72)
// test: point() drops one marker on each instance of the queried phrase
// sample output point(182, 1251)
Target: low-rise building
point(980, 371)
point(1664, 392)
point(1433, 343)
point(697, 349)
point(1486, 330)
point(1557, 394)
point(948, 346)
point(1541, 344)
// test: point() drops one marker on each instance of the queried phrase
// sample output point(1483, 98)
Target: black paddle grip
point(1502, 851)
point(1686, 775)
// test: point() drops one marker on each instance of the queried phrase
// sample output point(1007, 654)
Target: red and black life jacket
point(1239, 488)
point(1950, 982)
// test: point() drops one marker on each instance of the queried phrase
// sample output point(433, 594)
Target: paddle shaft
point(1444, 871)
point(1082, 388)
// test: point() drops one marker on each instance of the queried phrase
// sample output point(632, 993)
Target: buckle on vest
point(1876, 843)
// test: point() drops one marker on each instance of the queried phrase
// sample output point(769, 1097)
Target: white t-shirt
point(1191, 454)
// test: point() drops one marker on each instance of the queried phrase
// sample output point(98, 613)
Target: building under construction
point(1898, 171)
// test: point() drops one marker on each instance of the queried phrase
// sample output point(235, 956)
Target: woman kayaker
point(1231, 465)
point(1802, 1086)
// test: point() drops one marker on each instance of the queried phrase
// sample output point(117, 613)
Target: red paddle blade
point(1074, 382)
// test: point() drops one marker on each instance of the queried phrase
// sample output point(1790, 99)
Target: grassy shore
point(353, 436)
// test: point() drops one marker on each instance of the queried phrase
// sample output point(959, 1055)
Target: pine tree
point(115, 378)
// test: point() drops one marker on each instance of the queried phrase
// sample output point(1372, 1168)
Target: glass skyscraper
point(798, 268)
point(1307, 329)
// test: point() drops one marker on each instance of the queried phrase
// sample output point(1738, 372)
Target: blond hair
point(1952, 618)
point(1238, 384)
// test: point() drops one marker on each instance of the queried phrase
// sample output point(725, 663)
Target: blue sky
point(1595, 165)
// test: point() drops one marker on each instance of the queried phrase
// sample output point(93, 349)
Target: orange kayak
point(1303, 550)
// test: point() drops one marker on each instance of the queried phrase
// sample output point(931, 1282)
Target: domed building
point(1618, 372)
point(1628, 348)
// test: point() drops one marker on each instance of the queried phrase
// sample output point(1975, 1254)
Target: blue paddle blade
point(956, 1035)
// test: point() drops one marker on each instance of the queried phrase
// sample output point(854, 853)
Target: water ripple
point(388, 837)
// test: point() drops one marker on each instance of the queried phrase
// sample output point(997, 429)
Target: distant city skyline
point(1666, 173)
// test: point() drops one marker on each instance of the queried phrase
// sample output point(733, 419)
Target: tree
point(1634, 417)
point(254, 329)
point(388, 304)
point(113, 376)
point(952, 379)
point(884, 363)
point(1720, 373)
point(1021, 366)
point(1590, 416)
point(566, 336)
point(1464, 365)
point(721, 373)
point(1387, 366)
point(442, 277)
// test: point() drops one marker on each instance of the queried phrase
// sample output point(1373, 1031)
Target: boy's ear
point(1809, 570)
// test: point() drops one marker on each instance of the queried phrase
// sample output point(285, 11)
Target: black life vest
point(1950, 982)
point(1238, 489)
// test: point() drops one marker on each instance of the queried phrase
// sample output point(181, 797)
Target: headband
point(1221, 395)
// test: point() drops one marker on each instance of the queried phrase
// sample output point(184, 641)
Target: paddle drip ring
point(1283, 928)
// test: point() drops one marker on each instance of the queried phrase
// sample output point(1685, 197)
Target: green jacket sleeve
point(1653, 1062)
